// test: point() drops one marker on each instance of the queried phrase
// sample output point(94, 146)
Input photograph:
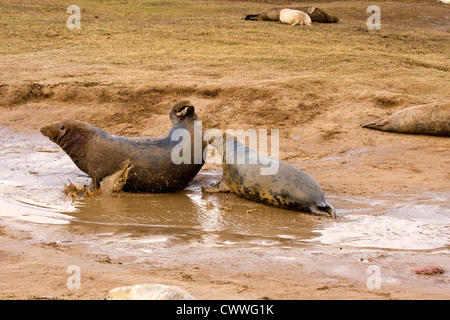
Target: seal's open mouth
point(184, 110)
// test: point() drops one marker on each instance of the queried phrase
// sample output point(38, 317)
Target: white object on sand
point(149, 292)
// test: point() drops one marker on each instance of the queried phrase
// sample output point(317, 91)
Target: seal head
point(181, 110)
point(72, 136)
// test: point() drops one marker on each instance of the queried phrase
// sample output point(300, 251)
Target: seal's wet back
point(100, 154)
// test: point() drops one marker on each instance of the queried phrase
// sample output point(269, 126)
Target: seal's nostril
point(43, 130)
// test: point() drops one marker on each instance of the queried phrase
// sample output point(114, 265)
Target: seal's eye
point(61, 127)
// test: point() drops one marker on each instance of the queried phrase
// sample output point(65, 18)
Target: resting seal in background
point(289, 187)
point(432, 119)
point(100, 154)
point(273, 14)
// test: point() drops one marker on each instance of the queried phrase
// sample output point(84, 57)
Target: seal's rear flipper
point(377, 124)
point(252, 16)
point(220, 186)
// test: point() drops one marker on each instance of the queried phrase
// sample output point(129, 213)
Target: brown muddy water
point(33, 172)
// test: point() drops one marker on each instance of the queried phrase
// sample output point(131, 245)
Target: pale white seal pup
point(294, 17)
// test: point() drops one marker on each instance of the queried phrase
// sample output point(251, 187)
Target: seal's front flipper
point(310, 10)
point(116, 181)
point(220, 186)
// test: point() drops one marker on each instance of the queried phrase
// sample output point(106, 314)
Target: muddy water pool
point(33, 172)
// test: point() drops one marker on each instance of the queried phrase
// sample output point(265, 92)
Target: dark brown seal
point(430, 119)
point(273, 14)
point(100, 154)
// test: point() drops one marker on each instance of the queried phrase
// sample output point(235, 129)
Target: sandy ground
point(341, 274)
point(320, 133)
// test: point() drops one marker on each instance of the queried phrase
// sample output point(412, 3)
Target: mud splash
point(111, 185)
point(33, 172)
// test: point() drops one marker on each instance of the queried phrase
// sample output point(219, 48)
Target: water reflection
point(392, 221)
point(191, 216)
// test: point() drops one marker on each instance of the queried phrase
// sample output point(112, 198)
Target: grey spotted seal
point(273, 14)
point(100, 154)
point(288, 187)
point(429, 119)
